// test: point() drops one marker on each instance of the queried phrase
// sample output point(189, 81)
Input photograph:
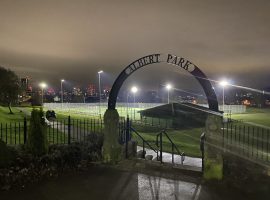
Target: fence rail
point(239, 138)
point(154, 122)
point(247, 141)
point(60, 131)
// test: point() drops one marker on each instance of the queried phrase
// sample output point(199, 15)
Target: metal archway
point(169, 59)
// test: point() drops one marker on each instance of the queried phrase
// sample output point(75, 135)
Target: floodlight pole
point(168, 87)
point(134, 89)
point(42, 96)
point(99, 93)
point(43, 86)
point(134, 93)
point(223, 99)
point(127, 105)
point(62, 95)
point(168, 96)
point(223, 84)
point(99, 86)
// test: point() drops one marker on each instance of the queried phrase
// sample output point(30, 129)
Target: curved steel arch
point(170, 59)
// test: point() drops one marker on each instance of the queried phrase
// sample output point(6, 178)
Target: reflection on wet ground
point(107, 183)
point(150, 187)
point(167, 158)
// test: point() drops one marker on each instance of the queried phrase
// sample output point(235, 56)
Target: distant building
point(106, 91)
point(91, 90)
point(56, 99)
point(50, 92)
point(187, 99)
point(76, 91)
point(24, 83)
point(26, 90)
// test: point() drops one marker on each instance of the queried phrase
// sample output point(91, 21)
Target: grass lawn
point(186, 140)
point(11, 127)
point(255, 116)
point(5, 117)
point(84, 114)
point(64, 115)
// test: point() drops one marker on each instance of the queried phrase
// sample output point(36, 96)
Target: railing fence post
point(24, 130)
point(172, 154)
point(69, 130)
point(223, 135)
point(143, 150)
point(160, 146)
point(1, 131)
point(127, 136)
point(202, 143)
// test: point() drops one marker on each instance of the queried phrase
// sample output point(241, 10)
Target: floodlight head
point(43, 85)
point(134, 89)
point(100, 72)
point(223, 83)
point(168, 86)
point(62, 80)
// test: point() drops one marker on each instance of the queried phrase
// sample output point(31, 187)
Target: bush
point(7, 155)
point(37, 142)
point(92, 147)
point(65, 156)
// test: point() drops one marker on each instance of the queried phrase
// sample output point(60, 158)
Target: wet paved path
point(167, 158)
point(107, 183)
point(103, 183)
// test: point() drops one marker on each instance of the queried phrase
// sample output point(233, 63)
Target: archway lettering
point(169, 59)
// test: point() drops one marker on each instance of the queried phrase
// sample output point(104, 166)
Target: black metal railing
point(154, 122)
point(126, 131)
point(14, 132)
point(60, 131)
point(159, 143)
point(246, 140)
point(144, 142)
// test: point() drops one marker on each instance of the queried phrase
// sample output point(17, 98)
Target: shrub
point(66, 155)
point(92, 147)
point(37, 142)
point(7, 155)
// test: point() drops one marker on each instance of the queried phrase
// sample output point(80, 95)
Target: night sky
point(73, 39)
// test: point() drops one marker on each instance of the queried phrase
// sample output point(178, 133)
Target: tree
point(9, 87)
point(37, 142)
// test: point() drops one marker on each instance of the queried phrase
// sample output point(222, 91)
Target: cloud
point(74, 39)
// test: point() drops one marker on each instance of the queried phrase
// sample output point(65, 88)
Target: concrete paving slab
point(167, 158)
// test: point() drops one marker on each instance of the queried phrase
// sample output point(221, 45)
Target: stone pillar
point(111, 150)
point(213, 161)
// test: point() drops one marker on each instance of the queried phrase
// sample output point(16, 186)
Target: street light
point(99, 87)
point(168, 87)
point(62, 96)
point(127, 103)
point(134, 90)
point(223, 84)
point(43, 86)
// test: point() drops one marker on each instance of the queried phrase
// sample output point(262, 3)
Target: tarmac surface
point(98, 183)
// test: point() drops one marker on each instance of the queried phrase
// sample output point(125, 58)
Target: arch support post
point(111, 150)
point(213, 159)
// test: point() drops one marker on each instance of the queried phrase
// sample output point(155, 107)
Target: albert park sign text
point(171, 59)
point(158, 58)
